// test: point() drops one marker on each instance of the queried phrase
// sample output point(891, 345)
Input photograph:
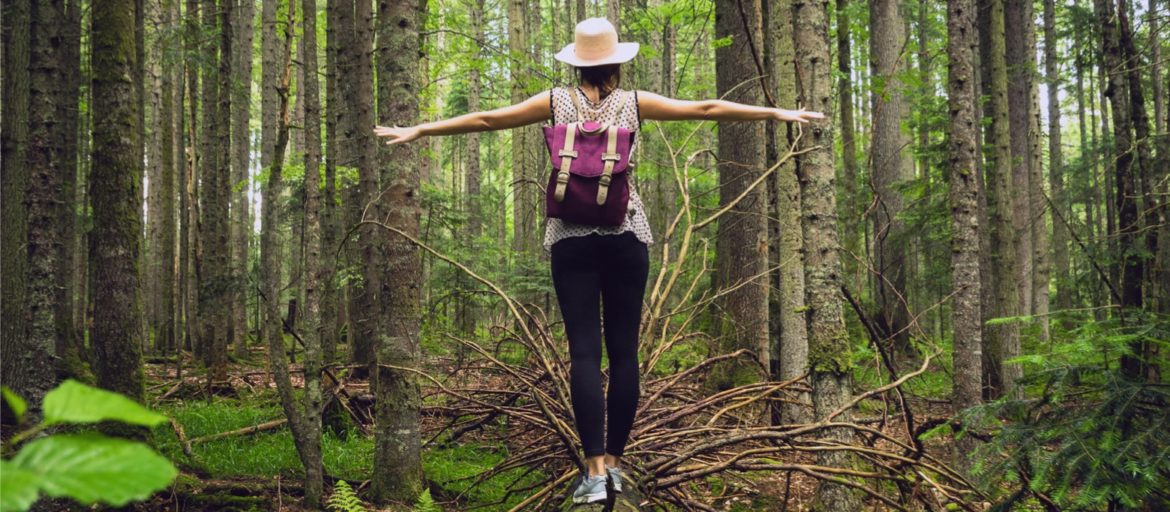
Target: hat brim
point(624, 53)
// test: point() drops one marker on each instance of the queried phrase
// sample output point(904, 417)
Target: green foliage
point(344, 499)
point(263, 454)
point(425, 503)
point(1089, 439)
point(88, 468)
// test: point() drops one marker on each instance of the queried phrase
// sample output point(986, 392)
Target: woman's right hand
point(398, 134)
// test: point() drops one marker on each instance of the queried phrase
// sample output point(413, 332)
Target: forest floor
point(236, 454)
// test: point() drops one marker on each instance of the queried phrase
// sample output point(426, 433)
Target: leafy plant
point(344, 499)
point(426, 503)
point(1090, 438)
point(89, 467)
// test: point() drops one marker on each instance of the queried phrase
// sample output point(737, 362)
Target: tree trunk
point(791, 353)
point(830, 361)
point(474, 226)
point(331, 324)
point(397, 452)
point(1003, 340)
point(116, 194)
point(187, 204)
point(1060, 235)
point(891, 167)
point(214, 269)
point(966, 313)
point(853, 230)
point(36, 364)
point(742, 246)
point(27, 366)
point(1020, 61)
point(241, 146)
point(524, 202)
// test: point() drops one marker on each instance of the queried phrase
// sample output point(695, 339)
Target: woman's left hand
point(397, 134)
point(799, 116)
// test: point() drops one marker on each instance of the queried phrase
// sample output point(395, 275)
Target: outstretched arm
point(526, 112)
point(661, 108)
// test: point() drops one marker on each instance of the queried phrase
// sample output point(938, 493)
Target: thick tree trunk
point(116, 194)
point(397, 444)
point(966, 313)
point(742, 245)
point(36, 363)
point(791, 352)
point(829, 355)
point(1002, 340)
point(214, 271)
point(69, 344)
point(241, 145)
point(27, 366)
point(891, 167)
point(188, 205)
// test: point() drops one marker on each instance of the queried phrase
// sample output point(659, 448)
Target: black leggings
point(586, 271)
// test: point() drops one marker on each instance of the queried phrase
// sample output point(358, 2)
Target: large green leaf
point(18, 488)
point(74, 402)
point(92, 468)
point(15, 402)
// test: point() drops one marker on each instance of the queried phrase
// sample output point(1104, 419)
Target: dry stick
point(268, 425)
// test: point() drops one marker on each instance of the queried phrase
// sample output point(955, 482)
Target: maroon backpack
point(589, 183)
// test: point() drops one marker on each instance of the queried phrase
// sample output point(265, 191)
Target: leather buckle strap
point(610, 157)
point(567, 155)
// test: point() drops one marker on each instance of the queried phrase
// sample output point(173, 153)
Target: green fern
point(426, 503)
point(344, 499)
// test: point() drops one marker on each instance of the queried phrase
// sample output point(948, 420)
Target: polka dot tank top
point(614, 110)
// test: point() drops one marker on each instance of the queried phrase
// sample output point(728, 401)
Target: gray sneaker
point(590, 489)
point(615, 474)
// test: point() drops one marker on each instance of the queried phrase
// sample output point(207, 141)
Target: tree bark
point(1003, 340)
point(742, 236)
point(966, 313)
point(1060, 235)
point(891, 167)
point(852, 244)
point(472, 178)
point(331, 324)
point(829, 355)
point(36, 362)
point(791, 352)
point(241, 146)
point(116, 194)
point(1020, 61)
point(524, 202)
point(214, 268)
point(27, 366)
point(397, 444)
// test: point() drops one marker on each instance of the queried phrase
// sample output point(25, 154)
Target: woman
point(594, 264)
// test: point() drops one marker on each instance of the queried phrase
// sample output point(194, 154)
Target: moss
point(832, 357)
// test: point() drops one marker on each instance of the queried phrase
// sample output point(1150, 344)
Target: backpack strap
point(567, 155)
point(610, 157)
point(576, 104)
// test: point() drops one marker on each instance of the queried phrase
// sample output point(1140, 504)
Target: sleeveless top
point(613, 110)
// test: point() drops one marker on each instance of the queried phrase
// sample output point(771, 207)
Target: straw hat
point(596, 43)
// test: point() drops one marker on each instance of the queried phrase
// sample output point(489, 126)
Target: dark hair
point(605, 78)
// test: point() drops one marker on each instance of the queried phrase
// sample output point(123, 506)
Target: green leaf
point(91, 468)
point(74, 402)
point(20, 486)
point(15, 402)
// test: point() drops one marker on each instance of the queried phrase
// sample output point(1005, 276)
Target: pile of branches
point(684, 432)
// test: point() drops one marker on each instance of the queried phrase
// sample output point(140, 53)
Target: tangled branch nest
point(684, 432)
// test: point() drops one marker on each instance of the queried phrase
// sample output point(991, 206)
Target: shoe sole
point(589, 498)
